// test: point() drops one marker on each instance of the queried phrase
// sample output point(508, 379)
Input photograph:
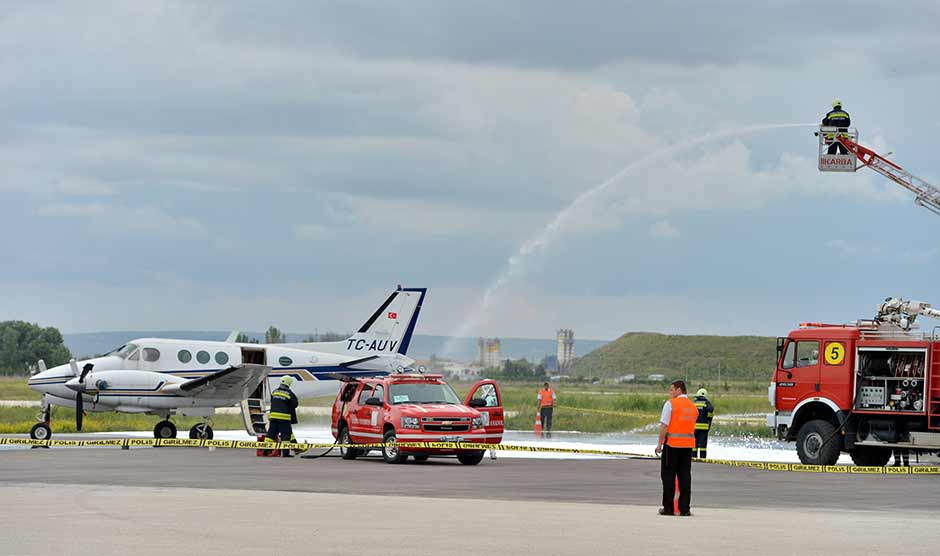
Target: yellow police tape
point(304, 446)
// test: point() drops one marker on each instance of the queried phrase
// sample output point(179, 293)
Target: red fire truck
point(866, 388)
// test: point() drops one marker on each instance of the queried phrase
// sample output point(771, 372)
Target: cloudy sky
point(169, 165)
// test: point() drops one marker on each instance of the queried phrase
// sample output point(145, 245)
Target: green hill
point(645, 353)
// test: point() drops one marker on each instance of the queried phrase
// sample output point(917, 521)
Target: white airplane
point(191, 377)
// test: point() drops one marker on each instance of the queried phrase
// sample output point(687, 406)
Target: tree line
point(23, 344)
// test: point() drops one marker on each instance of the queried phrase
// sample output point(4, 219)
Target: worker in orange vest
point(676, 442)
point(546, 399)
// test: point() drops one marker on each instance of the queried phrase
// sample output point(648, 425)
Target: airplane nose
point(75, 385)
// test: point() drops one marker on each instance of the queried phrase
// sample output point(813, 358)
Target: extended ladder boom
point(927, 195)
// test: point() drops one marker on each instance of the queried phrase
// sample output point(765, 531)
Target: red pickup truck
point(416, 407)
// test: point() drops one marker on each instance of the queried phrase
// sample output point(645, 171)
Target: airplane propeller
point(79, 401)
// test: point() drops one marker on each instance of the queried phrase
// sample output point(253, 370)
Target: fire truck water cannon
point(900, 314)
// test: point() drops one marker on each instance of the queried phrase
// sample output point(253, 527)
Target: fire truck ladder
point(926, 195)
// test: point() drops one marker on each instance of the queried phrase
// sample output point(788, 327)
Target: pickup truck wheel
point(471, 457)
point(818, 444)
point(870, 456)
point(391, 454)
point(343, 438)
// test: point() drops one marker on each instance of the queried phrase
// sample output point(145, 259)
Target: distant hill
point(422, 346)
point(645, 353)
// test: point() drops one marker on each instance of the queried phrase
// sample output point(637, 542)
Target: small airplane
point(167, 377)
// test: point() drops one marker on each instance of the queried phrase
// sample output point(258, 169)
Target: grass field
point(586, 408)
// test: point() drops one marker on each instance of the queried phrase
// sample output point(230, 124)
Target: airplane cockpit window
point(151, 354)
point(134, 356)
point(124, 350)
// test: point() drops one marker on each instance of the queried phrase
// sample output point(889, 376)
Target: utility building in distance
point(489, 352)
point(565, 352)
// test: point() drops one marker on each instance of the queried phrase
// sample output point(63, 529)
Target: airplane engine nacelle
point(128, 383)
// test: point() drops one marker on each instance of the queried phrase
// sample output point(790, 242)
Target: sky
point(205, 166)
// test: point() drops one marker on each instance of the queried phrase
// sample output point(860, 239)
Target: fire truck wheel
point(343, 438)
point(392, 454)
point(817, 443)
point(869, 456)
point(421, 458)
point(471, 457)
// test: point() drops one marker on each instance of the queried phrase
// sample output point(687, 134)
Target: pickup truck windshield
point(421, 392)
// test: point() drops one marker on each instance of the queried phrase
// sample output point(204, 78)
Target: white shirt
point(667, 410)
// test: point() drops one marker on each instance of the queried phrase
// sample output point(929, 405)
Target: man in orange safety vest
point(546, 399)
point(676, 442)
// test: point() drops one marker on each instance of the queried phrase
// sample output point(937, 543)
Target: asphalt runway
point(617, 481)
point(109, 501)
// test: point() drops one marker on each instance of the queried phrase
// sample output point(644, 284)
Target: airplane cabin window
point(202, 357)
point(185, 356)
point(151, 355)
point(285, 361)
point(221, 358)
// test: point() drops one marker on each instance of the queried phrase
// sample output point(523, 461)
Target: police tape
point(304, 446)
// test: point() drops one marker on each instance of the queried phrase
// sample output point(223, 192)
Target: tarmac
point(184, 501)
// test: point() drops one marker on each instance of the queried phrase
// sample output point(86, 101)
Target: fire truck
point(865, 388)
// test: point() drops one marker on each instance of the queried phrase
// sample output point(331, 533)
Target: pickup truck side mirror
point(477, 402)
point(374, 401)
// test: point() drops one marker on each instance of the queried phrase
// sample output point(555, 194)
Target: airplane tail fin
point(388, 330)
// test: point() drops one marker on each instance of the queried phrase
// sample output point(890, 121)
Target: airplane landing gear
point(201, 431)
point(164, 429)
point(40, 431)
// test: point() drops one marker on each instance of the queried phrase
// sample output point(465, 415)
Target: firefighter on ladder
point(283, 414)
point(837, 117)
point(706, 412)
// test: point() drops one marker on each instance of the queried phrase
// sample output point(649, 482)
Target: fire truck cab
point(864, 388)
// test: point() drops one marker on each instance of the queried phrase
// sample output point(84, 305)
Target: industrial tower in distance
point(489, 353)
point(565, 348)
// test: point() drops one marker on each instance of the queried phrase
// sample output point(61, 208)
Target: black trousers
point(280, 430)
point(701, 443)
point(677, 463)
point(837, 146)
point(546, 415)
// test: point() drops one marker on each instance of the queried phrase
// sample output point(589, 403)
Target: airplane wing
point(232, 383)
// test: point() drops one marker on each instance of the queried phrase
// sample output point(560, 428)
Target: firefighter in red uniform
point(676, 442)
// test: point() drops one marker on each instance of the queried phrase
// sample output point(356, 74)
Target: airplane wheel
point(40, 431)
point(200, 431)
point(164, 429)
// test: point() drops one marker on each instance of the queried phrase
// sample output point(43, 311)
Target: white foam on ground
point(718, 448)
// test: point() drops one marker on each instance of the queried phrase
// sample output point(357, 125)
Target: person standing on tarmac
point(546, 399)
point(706, 412)
point(837, 117)
point(283, 414)
point(676, 442)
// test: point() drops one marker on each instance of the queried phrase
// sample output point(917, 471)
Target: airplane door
point(484, 396)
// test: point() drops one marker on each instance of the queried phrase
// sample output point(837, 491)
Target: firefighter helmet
point(837, 103)
point(702, 392)
point(287, 381)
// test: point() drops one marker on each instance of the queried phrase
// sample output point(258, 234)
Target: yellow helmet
point(837, 103)
point(287, 381)
point(702, 392)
